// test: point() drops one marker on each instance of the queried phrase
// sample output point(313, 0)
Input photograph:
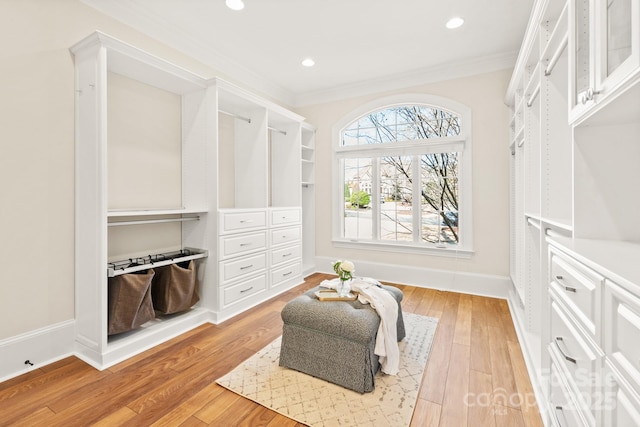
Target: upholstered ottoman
point(334, 340)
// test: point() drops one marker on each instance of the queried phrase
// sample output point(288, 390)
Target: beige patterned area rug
point(315, 402)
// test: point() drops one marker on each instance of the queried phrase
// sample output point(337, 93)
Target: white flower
point(347, 266)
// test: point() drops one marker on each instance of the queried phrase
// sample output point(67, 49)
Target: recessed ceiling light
point(308, 62)
point(454, 22)
point(234, 4)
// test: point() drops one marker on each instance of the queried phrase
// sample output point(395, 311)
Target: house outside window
point(402, 176)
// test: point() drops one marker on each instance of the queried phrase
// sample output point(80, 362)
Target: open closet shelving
point(575, 238)
point(153, 209)
point(262, 232)
point(308, 159)
point(173, 167)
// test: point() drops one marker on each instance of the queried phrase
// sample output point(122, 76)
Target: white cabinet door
point(618, 48)
point(621, 332)
point(604, 40)
point(237, 221)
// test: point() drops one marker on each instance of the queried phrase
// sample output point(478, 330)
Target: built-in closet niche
point(259, 153)
point(284, 162)
point(143, 186)
point(606, 158)
point(556, 151)
point(144, 166)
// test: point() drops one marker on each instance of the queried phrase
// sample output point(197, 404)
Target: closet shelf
point(306, 147)
point(153, 221)
point(132, 265)
point(152, 212)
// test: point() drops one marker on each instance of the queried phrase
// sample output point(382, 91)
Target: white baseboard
point(445, 280)
point(519, 322)
point(40, 347)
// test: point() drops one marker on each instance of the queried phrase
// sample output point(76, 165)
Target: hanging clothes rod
point(533, 96)
point(556, 55)
point(248, 120)
point(551, 233)
point(533, 223)
point(237, 116)
point(153, 221)
point(277, 130)
point(132, 265)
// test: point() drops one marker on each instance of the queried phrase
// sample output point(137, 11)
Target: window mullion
point(417, 198)
point(375, 198)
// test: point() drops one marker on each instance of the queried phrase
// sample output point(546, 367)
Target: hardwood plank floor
point(475, 374)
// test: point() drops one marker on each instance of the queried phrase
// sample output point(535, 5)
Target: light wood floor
point(475, 376)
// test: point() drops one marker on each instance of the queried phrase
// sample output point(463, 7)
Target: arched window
point(403, 170)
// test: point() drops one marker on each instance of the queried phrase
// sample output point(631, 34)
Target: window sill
point(451, 252)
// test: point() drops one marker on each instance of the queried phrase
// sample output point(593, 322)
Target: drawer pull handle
point(245, 221)
point(246, 244)
point(246, 266)
point(555, 414)
point(569, 358)
point(558, 277)
point(570, 289)
point(286, 255)
point(286, 274)
point(246, 290)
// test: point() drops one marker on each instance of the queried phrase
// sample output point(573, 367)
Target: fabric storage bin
point(174, 288)
point(130, 301)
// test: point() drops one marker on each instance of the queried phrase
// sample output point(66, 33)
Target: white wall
point(484, 94)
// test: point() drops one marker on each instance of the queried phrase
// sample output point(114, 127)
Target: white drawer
point(620, 406)
point(242, 266)
point(563, 410)
point(285, 216)
point(577, 357)
point(237, 244)
point(285, 273)
point(245, 288)
point(621, 331)
point(579, 287)
point(287, 254)
point(283, 236)
point(234, 221)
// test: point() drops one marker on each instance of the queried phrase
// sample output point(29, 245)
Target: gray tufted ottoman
point(334, 340)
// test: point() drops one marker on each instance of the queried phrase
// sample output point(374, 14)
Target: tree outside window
point(407, 159)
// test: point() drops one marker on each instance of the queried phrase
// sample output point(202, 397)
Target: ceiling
point(359, 46)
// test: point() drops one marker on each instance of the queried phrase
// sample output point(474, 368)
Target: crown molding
point(452, 70)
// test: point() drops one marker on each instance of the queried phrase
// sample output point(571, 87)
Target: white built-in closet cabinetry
point(575, 214)
point(167, 161)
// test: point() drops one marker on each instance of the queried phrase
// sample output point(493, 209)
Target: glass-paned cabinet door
point(604, 36)
point(582, 59)
point(618, 33)
point(619, 53)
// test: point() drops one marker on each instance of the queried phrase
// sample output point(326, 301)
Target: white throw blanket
point(370, 292)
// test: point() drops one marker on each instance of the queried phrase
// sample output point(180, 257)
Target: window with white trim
point(404, 176)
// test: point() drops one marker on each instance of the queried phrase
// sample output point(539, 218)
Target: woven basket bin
point(174, 288)
point(130, 303)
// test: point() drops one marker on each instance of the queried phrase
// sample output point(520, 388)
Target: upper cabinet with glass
point(604, 36)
